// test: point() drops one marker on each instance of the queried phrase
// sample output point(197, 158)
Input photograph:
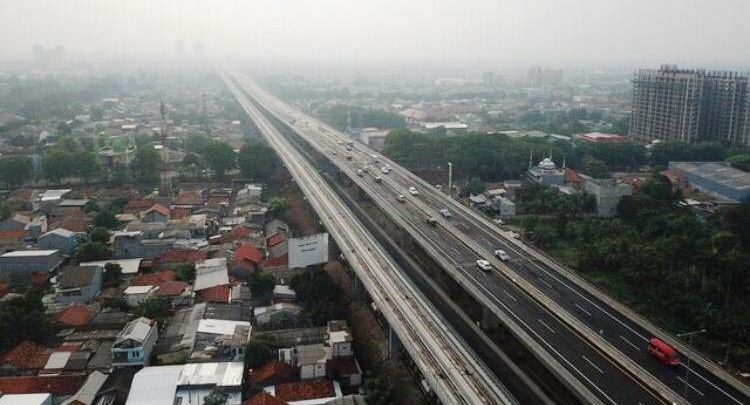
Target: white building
point(210, 273)
point(186, 384)
point(134, 343)
point(136, 294)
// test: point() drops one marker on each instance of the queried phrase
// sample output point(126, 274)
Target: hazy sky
point(567, 33)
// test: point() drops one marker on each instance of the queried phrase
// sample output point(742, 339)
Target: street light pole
point(687, 368)
point(450, 178)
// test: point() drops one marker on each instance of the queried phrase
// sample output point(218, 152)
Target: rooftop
point(220, 326)
point(30, 253)
point(263, 399)
point(57, 385)
point(279, 371)
point(75, 315)
point(74, 277)
point(136, 330)
point(717, 172)
point(26, 355)
point(303, 391)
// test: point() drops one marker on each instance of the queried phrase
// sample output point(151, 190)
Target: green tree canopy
point(220, 157)
point(154, 308)
point(278, 207)
point(15, 170)
point(257, 161)
point(28, 320)
point(99, 234)
point(106, 219)
point(91, 251)
point(146, 164)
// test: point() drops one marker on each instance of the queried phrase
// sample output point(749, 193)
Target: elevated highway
point(596, 345)
point(449, 366)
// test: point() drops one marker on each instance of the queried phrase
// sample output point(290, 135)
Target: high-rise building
point(689, 105)
point(537, 76)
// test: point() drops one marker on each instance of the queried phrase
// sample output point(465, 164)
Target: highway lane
point(701, 387)
point(584, 361)
point(465, 380)
point(621, 331)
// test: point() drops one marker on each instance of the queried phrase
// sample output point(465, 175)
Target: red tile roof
point(174, 256)
point(219, 293)
point(247, 253)
point(180, 212)
point(73, 222)
point(75, 315)
point(264, 399)
point(301, 391)
point(189, 198)
point(278, 371)
point(275, 239)
point(154, 278)
point(158, 208)
point(56, 385)
point(26, 355)
point(139, 204)
point(172, 288)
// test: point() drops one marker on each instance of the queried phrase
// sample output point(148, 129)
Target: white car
point(484, 265)
point(502, 255)
point(413, 190)
point(385, 170)
point(360, 173)
point(401, 198)
point(445, 213)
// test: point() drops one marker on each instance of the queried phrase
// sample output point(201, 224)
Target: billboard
point(308, 250)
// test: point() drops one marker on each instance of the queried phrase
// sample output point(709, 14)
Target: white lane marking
point(545, 282)
point(546, 326)
point(510, 296)
point(582, 309)
point(633, 345)
point(717, 387)
point(591, 363)
point(691, 386)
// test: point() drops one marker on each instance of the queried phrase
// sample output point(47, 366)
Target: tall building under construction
point(690, 106)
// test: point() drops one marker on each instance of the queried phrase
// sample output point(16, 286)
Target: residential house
point(25, 358)
point(132, 244)
point(220, 340)
point(309, 360)
point(276, 244)
point(272, 373)
point(78, 284)
point(133, 345)
point(156, 213)
point(59, 386)
point(61, 239)
point(210, 273)
point(75, 316)
point(186, 384)
point(87, 394)
point(306, 392)
point(283, 293)
point(179, 293)
point(264, 398)
point(30, 261)
point(12, 240)
point(26, 399)
point(136, 294)
point(17, 222)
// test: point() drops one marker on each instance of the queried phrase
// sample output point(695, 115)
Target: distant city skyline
point(368, 35)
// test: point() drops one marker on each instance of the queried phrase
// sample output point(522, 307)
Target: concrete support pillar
point(357, 288)
point(394, 345)
point(489, 320)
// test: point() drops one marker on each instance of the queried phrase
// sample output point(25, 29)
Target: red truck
point(663, 352)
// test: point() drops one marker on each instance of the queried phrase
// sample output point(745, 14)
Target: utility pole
point(450, 179)
point(687, 368)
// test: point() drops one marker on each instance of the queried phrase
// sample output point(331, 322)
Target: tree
point(5, 211)
point(112, 274)
point(595, 167)
point(261, 285)
point(146, 164)
point(57, 165)
point(278, 207)
point(476, 186)
point(192, 163)
point(197, 144)
point(90, 206)
point(86, 166)
point(154, 308)
point(216, 397)
point(106, 219)
point(257, 161)
point(317, 292)
point(185, 272)
point(99, 234)
point(91, 251)
point(23, 318)
point(741, 161)
point(220, 157)
point(15, 170)
point(258, 351)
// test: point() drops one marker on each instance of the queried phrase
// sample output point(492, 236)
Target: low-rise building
point(608, 193)
point(61, 239)
point(133, 345)
point(283, 314)
point(547, 173)
point(186, 384)
point(30, 261)
point(717, 179)
point(78, 284)
point(136, 294)
point(306, 392)
point(210, 273)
